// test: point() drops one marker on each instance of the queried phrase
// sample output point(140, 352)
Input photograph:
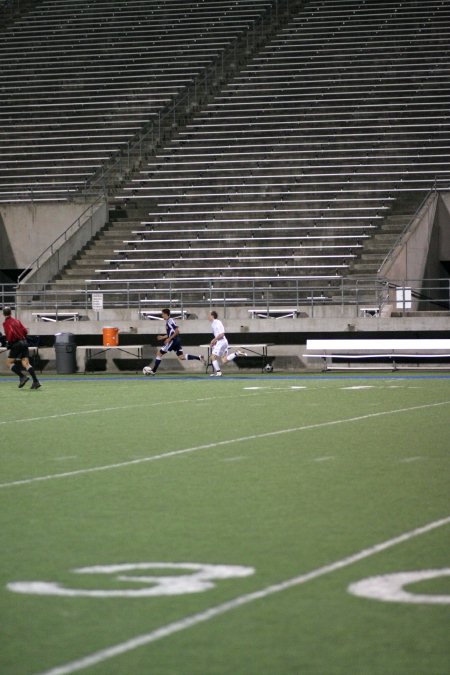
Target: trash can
point(66, 353)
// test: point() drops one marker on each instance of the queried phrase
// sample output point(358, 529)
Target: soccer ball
point(268, 367)
point(147, 370)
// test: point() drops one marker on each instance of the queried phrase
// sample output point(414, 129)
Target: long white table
point(91, 351)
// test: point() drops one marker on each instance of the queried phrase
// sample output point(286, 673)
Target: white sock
point(232, 356)
point(215, 365)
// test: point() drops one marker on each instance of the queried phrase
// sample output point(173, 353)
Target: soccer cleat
point(240, 353)
point(23, 380)
point(36, 385)
point(217, 374)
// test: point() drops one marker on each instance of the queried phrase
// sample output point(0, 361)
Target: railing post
point(357, 297)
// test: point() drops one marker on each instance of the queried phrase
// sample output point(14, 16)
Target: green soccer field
point(196, 526)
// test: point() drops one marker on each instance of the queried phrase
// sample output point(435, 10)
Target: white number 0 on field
point(391, 587)
point(196, 578)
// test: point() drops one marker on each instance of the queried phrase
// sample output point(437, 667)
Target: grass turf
point(281, 474)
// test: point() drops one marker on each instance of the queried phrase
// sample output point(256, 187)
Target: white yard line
point(211, 613)
point(217, 444)
point(94, 411)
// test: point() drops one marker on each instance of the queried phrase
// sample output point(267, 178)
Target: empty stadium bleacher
point(80, 80)
point(292, 170)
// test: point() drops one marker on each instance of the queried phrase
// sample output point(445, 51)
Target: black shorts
point(19, 350)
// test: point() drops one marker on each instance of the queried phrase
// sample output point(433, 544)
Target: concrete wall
point(425, 245)
point(408, 259)
point(443, 222)
point(26, 229)
point(75, 237)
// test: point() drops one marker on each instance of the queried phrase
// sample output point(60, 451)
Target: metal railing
point(339, 297)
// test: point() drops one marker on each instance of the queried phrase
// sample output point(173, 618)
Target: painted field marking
point(63, 459)
point(390, 587)
point(216, 444)
point(198, 578)
point(240, 601)
point(92, 411)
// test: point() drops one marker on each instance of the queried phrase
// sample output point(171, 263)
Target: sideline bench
point(56, 316)
point(156, 315)
point(351, 351)
point(273, 313)
point(367, 312)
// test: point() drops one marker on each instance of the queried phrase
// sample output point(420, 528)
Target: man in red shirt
point(16, 336)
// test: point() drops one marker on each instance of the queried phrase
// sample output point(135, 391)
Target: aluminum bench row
point(257, 255)
point(257, 82)
point(210, 272)
point(303, 240)
point(243, 252)
point(364, 353)
point(252, 227)
point(301, 145)
point(153, 53)
point(434, 125)
point(261, 280)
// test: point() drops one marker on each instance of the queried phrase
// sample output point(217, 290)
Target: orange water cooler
point(110, 337)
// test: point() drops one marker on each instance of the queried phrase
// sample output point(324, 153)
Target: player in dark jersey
point(172, 343)
point(18, 357)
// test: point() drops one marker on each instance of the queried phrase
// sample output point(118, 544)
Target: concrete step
point(398, 220)
point(386, 238)
point(365, 268)
point(379, 247)
point(116, 233)
point(371, 257)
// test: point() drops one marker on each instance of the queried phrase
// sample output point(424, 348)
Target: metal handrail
point(370, 293)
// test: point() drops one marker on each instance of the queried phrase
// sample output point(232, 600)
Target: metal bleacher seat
point(342, 111)
point(79, 81)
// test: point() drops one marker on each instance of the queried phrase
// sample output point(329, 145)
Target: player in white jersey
point(219, 345)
